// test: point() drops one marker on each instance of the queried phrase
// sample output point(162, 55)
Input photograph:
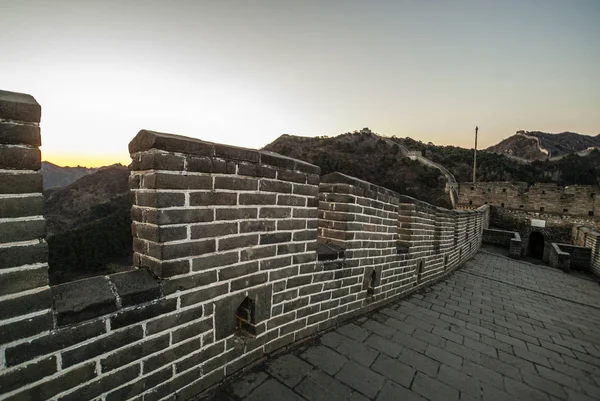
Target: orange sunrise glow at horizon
point(244, 73)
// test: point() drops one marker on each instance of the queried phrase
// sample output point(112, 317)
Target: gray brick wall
point(226, 249)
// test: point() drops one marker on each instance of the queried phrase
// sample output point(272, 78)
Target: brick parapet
point(225, 231)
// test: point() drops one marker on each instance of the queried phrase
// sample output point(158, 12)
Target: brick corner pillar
point(25, 299)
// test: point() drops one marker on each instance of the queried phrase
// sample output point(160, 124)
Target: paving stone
point(273, 390)
point(400, 325)
point(433, 389)
point(318, 386)
point(448, 335)
point(361, 379)
point(545, 385)
point(384, 345)
point(523, 390)
point(394, 370)
point(378, 328)
point(559, 377)
point(490, 393)
point(324, 358)
point(443, 356)
point(430, 338)
point(466, 353)
point(394, 392)
point(418, 361)
point(332, 339)
point(481, 347)
point(289, 369)
point(410, 342)
point(357, 352)
point(244, 385)
point(501, 367)
point(482, 373)
point(354, 332)
point(459, 381)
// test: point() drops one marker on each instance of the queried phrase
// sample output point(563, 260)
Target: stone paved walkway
point(495, 330)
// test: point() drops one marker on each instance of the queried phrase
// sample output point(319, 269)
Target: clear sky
point(244, 72)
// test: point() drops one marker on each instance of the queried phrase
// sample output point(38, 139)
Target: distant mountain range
point(57, 176)
point(526, 146)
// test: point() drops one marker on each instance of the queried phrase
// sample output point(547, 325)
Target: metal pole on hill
point(475, 156)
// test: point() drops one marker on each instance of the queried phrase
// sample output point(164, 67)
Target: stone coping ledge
point(341, 178)
point(19, 107)
point(147, 140)
point(81, 300)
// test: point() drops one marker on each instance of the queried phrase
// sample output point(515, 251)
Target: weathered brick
point(130, 316)
point(258, 253)
point(19, 107)
point(134, 352)
point(180, 250)
point(257, 199)
point(212, 198)
point(249, 281)
point(192, 330)
point(159, 199)
point(21, 280)
point(54, 341)
point(174, 320)
point(188, 282)
point(15, 231)
point(238, 271)
point(176, 181)
point(156, 233)
point(275, 186)
point(235, 153)
point(204, 294)
point(25, 304)
point(274, 238)
point(292, 176)
point(81, 300)
point(13, 183)
point(256, 225)
point(236, 214)
point(171, 354)
point(213, 230)
point(19, 134)
point(97, 387)
point(241, 241)
point(19, 158)
point(173, 216)
point(210, 261)
point(196, 359)
point(291, 224)
point(102, 345)
point(237, 184)
point(48, 389)
point(138, 387)
point(275, 213)
point(275, 263)
point(27, 374)
point(291, 200)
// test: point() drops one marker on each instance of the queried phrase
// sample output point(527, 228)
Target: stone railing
point(507, 239)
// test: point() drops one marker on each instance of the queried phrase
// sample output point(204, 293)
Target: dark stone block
point(187, 282)
point(82, 300)
point(196, 359)
point(135, 287)
point(191, 330)
point(157, 161)
point(146, 383)
point(212, 198)
point(20, 158)
point(15, 231)
point(25, 328)
point(222, 259)
point(56, 340)
point(275, 238)
point(137, 351)
point(249, 281)
point(329, 252)
point(24, 279)
point(25, 304)
point(21, 207)
point(21, 184)
point(180, 250)
point(174, 320)
point(238, 271)
point(19, 107)
point(257, 199)
point(204, 294)
point(48, 389)
point(236, 214)
point(242, 241)
point(235, 153)
point(100, 346)
point(130, 316)
point(97, 387)
point(176, 181)
point(146, 140)
point(236, 183)
point(19, 134)
point(225, 310)
point(27, 374)
point(159, 199)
